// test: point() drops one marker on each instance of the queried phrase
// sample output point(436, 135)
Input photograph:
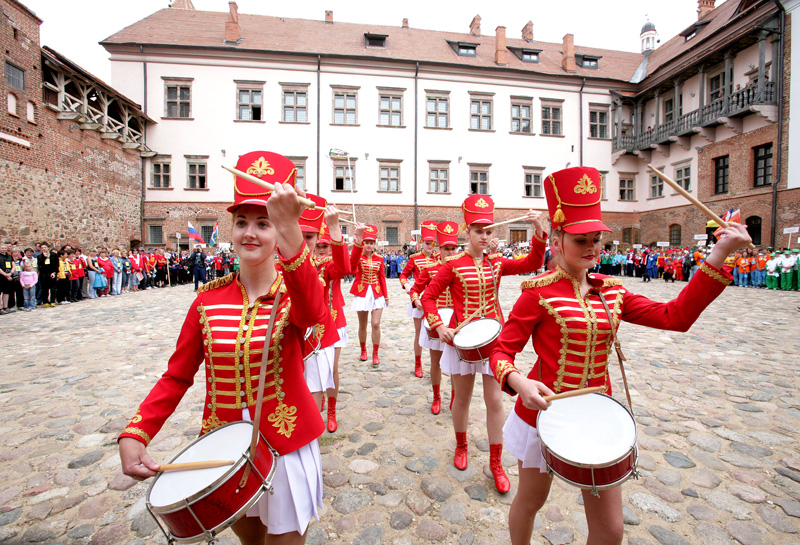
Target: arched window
point(675, 235)
point(754, 229)
point(12, 104)
point(630, 235)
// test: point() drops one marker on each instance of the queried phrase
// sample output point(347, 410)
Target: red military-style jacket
point(417, 263)
point(572, 335)
point(473, 282)
point(369, 272)
point(225, 332)
point(424, 278)
point(331, 271)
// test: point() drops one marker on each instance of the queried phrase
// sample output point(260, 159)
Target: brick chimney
point(405, 22)
point(568, 53)
point(500, 52)
point(527, 32)
point(475, 26)
point(328, 17)
point(704, 7)
point(232, 31)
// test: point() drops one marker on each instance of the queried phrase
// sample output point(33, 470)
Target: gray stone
point(86, 459)
point(790, 507)
point(400, 520)
point(430, 530)
point(392, 499)
point(719, 499)
point(335, 480)
point(467, 538)
point(362, 466)
point(629, 516)
point(84, 530)
point(711, 534)
point(650, 504)
point(462, 476)
point(366, 448)
point(559, 536)
point(747, 407)
point(379, 488)
point(776, 519)
point(676, 459)
point(477, 492)
point(316, 535)
point(669, 477)
point(663, 492)
point(398, 481)
point(350, 500)
point(740, 461)
point(418, 503)
point(752, 451)
point(747, 493)
point(704, 478)
point(666, 537)
point(706, 442)
point(10, 516)
point(426, 464)
point(44, 531)
point(690, 492)
point(373, 427)
point(436, 489)
point(701, 512)
point(370, 536)
point(144, 525)
point(707, 460)
point(793, 475)
point(746, 533)
point(110, 535)
point(453, 512)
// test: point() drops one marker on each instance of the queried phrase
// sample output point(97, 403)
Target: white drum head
point(228, 443)
point(588, 429)
point(477, 333)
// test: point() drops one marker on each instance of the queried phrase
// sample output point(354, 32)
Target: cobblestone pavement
point(717, 409)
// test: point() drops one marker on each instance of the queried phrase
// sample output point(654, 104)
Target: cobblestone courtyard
point(718, 413)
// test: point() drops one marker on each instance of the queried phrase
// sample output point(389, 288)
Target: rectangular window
point(721, 174)
point(627, 189)
point(295, 106)
point(392, 235)
point(161, 174)
point(656, 187)
point(391, 114)
point(15, 77)
point(156, 234)
point(467, 50)
point(669, 110)
point(374, 40)
point(206, 231)
point(344, 176)
point(590, 62)
point(300, 165)
point(603, 184)
point(598, 123)
point(715, 86)
point(178, 99)
point(532, 182)
point(551, 120)
point(196, 175)
point(480, 115)
point(521, 117)
point(479, 182)
point(249, 104)
point(344, 107)
point(683, 175)
point(438, 110)
point(389, 177)
point(763, 165)
point(530, 56)
point(438, 179)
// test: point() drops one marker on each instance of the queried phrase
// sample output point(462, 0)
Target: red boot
point(418, 366)
point(363, 351)
point(436, 406)
point(460, 459)
point(501, 482)
point(332, 414)
point(322, 404)
point(375, 359)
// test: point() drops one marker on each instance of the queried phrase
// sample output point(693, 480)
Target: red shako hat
point(447, 233)
point(428, 229)
point(370, 233)
point(573, 200)
point(478, 209)
point(264, 165)
point(311, 220)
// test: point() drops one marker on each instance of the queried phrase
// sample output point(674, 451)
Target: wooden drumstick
point(493, 225)
point(308, 203)
point(573, 393)
point(672, 183)
point(195, 465)
point(343, 211)
point(470, 317)
point(347, 221)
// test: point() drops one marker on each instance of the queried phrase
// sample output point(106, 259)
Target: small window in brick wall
point(156, 234)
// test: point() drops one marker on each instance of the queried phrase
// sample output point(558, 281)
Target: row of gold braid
point(562, 360)
point(714, 274)
point(590, 331)
point(284, 416)
point(213, 420)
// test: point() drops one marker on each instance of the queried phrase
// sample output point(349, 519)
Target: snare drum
point(475, 340)
point(589, 441)
point(445, 314)
point(311, 343)
point(197, 505)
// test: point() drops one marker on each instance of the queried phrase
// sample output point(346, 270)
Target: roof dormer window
point(529, 55)
point(588, 61)
point(375, 40)
point(467, 50)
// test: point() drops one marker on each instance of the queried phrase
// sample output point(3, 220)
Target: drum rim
point(202, 493)
point(630, 473)
point(484, 343)
point(633, 448)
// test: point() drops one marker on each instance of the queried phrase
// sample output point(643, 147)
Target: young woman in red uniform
point(562, 312)
point(473, 279)
point(334, 264)
point(447, 235)
point(417, 263)
point(369, 288)
point(225, 332)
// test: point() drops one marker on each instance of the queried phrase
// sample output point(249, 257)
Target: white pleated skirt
point(431, 344)
point(368, 303)
point(451, 365)
point(297, 486)
point(318, 370)
point(522, 441)
point(413, 311)
point(342, 342)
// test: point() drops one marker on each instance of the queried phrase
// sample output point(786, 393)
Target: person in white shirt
point(773, 272)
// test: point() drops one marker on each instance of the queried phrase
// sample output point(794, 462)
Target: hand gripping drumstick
point(308, 203)
point(573, 393)
point(195, 465)
point(470, 317)
point(672, 183)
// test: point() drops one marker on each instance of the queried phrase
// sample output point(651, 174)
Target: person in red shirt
point(160, 264)
point(218, 266)
point(77, 274)
point(104, 262)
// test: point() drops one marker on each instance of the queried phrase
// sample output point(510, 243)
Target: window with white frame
point(438, 110)
point(31, 111)
point(391, 107)
point(598, 121)
point(480, 110)
point(249, 100)
point(300, 165)
point(603, 184)
point(521, 114)
point(178, 98)
point(345, 105)
point(439, 176)
point(683, 176)
point(656, 187)
point(12, 103)
point(627, 188)
point(551, 118)
point(532, 186)
point(389, 175)
point(294, 103)
point(196, 168)
point(479, 179)
point(161, 175)
point(344, 175)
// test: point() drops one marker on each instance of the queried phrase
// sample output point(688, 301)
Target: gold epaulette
point(545, 279)
point(415, 254)
point(454, 256)
point(218, 283)
point(611, 282)
point(324, 260)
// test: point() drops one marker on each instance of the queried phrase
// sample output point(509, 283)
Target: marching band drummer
point(447, 235)
point(473, 279)
point(417, 263)
point(369, 288)
point(334, 264)
point(562, 311)
point(224, 331)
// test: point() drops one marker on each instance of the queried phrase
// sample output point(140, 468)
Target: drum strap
point(262, 374)
point(617, 346)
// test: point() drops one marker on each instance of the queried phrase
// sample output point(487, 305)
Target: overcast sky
point(74, 27)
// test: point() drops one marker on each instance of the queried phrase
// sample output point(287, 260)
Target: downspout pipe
point(143, 160)
point(580, 133)
point(773, 227)
point(319, 62)
point(416, 144)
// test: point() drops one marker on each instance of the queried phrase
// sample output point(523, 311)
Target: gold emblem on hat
point(585, 185)
point(260, 167)
point(481, 203)
point(448, 229)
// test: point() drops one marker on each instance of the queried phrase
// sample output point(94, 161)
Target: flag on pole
point(731, 216)
point(194, 235)
point(214, 235)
